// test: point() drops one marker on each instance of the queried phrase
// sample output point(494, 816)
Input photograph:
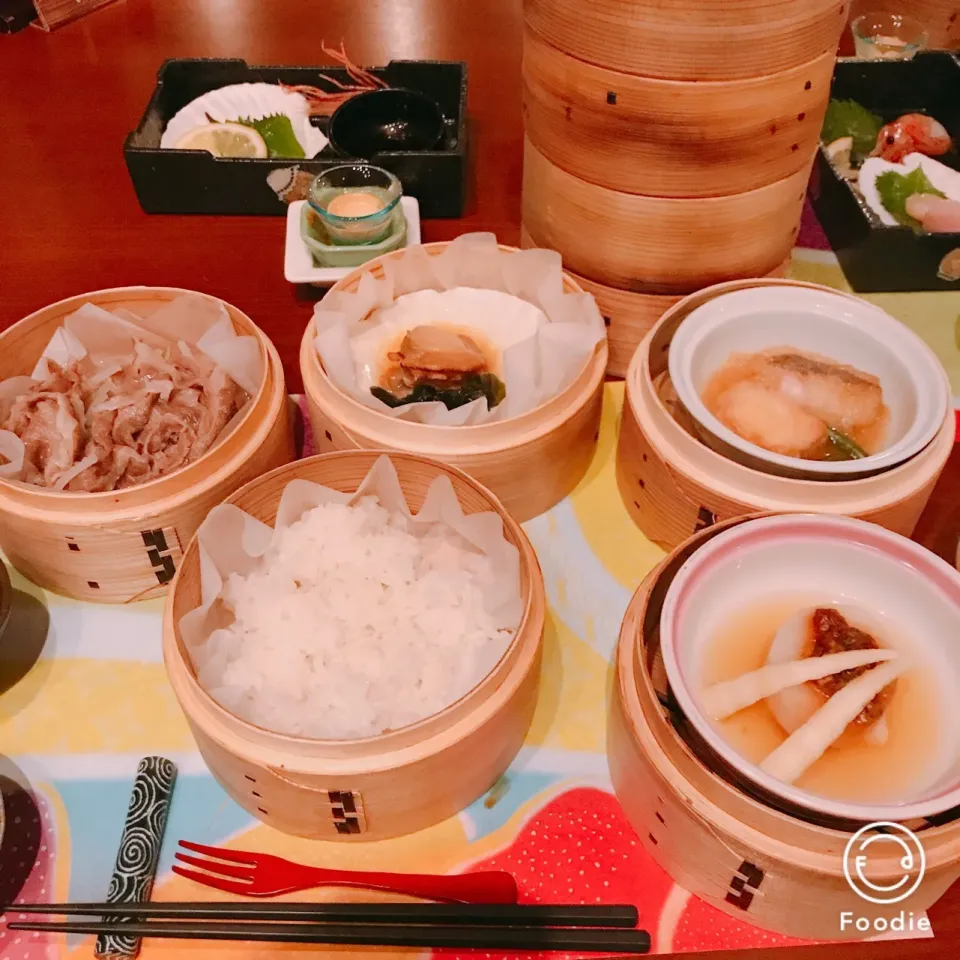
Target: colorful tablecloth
point(83, 696)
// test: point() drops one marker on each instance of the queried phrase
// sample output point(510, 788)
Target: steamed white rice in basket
point(356, 621)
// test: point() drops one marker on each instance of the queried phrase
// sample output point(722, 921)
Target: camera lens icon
point(884, 841)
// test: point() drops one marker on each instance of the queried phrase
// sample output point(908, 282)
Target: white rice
point(356, 622)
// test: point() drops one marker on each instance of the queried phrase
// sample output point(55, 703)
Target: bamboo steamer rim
point(671, 86)
point(774, 496)
point(711, 814)
point(39, 500)
point(633, 34)
point(6, 602)
point(625, 199)
point(657, 244)
point(176, 656)
point(439, 439)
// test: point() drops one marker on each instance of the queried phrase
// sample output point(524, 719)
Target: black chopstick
point(527, 915)
point(373, 935)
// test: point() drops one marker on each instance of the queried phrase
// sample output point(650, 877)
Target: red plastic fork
point(263, 875)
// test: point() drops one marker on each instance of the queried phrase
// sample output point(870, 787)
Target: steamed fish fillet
point(723, 699)
point(835, 393)
point(806, 745)
point(762, 415)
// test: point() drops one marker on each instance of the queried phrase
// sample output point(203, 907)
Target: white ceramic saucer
point(298, 265)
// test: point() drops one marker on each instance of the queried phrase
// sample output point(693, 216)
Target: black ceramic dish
point(877, 258)
point(383, 121)
point(193, 181)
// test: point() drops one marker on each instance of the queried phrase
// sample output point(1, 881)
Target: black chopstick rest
point(136, 866)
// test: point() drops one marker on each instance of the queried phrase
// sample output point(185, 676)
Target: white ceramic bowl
point(851, 331)
point(913, 596)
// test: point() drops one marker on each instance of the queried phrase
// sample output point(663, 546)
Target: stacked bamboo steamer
point(668, 145)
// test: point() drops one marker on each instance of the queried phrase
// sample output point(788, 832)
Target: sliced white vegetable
point(726, 698)
point(74, 471)
point(805, 746)
point(944, 178)
point(794, 706)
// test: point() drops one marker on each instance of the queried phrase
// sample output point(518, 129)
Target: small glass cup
point(362, 198)
point(888, 36)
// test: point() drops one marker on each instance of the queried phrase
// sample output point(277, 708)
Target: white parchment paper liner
point(534, 370)
point(107, 338)
point(230, 541)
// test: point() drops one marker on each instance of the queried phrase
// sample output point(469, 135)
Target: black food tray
point(877, 258)
point(189, 181)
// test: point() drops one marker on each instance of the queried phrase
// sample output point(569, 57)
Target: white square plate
point(298, 265)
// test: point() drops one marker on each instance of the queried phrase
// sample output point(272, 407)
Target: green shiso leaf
point(894, 189)
point(278, 135)
point(847, 118)
point(846, 448)
point(473, 387)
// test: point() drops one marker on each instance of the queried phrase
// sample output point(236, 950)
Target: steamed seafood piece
point(93, 430)
point(434, 349)
point(436, 354)
point(438, 363)
point(797, 404)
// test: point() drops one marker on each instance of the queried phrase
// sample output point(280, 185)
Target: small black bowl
point(385, 121)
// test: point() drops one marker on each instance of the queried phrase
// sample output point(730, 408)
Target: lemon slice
point(840, 153)
point(224, 140)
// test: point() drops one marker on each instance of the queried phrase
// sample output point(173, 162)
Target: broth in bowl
point(886, 749)
point(817, 656)
point(807, 383)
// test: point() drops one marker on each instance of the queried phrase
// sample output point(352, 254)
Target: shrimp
point(912, 133)
point(323, 102)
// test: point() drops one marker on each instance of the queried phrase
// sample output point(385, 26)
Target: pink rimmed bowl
point(913, 598)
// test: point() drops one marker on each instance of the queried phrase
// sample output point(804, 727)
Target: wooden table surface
point(70, 222)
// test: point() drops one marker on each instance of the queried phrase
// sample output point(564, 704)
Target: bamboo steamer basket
point(773, 868)
point(382, 786)
point(660, 244)
point(125, 545)
point(677, 40)
point(629, 316)
point(530, 462)
point(673, 485)
point(940, 17)
point(672, 138)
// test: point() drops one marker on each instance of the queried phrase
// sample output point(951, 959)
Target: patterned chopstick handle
point(136, 866)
